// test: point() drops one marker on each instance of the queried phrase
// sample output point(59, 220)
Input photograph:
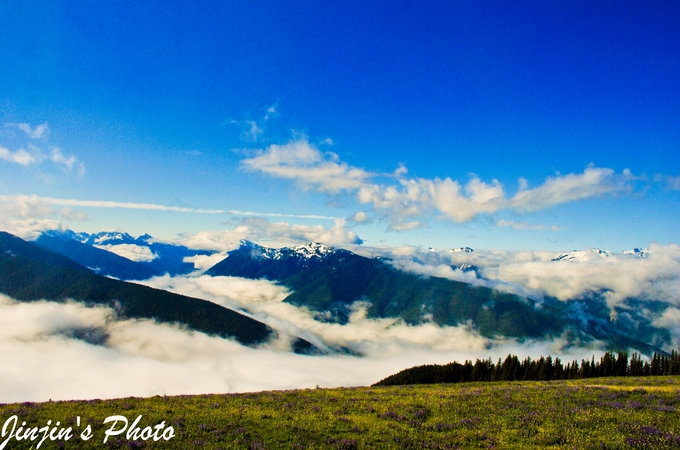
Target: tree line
point(541, 369)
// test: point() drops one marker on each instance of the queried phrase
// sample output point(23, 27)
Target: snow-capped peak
point(67, 234)
point(639, 252)
point(593, 254)
point(583, 255)
point(461, 250)
point(110, 238)
point(312, 250)
point(306, 251)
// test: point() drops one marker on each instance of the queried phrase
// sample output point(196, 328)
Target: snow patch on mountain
point(461, 250)
point(639, 252)
point(595, 254)
point(312, 250)
point(584, 255)
point(307, 251)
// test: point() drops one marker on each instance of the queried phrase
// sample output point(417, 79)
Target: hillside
point(593, 413)
point(390, 292)
point(29, 272)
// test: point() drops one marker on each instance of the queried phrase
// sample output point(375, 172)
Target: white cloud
point(534, 274)
point(618, 276)
point(222, 240)
point(286, 233)
point(155, 207)
point(204, 262)
point(28, 216)
point(360, 217)
point(669, 182)
point(264, 300)
point(301, 161)
point(132, 252)
point(670, 320)
point(37, 153)
point(67, 162)
point(524, 225)
point(253, 130)
point(21, 156)
point(45, 355)
point(593, 182)
point(37, 132)
point(275, 233)
point(405, 202)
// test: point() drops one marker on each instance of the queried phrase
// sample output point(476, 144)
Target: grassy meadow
point(588, 413)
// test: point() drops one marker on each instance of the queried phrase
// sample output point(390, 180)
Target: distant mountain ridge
point(333, 283)
point(100, 261)
point(596, 253)
point(254, 261)
point(29, 272)
point(167, 258)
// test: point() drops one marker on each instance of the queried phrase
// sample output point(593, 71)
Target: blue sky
point(526, 126)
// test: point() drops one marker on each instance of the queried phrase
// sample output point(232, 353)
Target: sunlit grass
point(591, 413)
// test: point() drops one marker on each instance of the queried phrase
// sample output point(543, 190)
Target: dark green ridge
point(29, 272)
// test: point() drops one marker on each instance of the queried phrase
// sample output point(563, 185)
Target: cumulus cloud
point(404, 201)
point(28, 216)
point(21, 156)
point(593, 182)
point(303, 162)
point(360, 217)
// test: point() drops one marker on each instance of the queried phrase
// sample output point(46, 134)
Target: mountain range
point(98, 252)
point(332, 284)
point(29, 272)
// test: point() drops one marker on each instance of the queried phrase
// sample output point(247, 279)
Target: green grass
point(590, 413)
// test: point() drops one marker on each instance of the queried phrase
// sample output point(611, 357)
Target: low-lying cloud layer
point(133, 252)
point(652, 274)
point(70, 351)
